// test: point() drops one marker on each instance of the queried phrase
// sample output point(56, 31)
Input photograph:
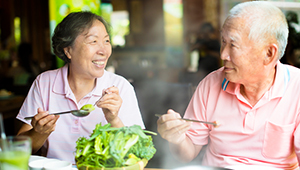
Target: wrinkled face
point(90, 52)
point(243, 59)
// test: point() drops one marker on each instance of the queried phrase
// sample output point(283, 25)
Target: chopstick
point(214, 123)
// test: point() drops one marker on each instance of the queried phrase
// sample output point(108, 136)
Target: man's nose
point(224, 54)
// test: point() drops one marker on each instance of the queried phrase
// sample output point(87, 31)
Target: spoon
point(78, 113)
point(214, 123)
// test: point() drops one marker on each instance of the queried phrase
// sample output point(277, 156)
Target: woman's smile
point(99, 63)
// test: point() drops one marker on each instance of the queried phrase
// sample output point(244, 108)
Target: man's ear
point(67, 52)
point(271, 54)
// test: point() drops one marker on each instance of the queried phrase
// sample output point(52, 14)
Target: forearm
point(37, 139)
point(186, 151)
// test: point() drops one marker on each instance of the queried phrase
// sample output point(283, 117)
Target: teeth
point(99, 62)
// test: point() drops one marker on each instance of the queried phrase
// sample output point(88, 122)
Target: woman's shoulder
point(115, 77)
point(48, 74)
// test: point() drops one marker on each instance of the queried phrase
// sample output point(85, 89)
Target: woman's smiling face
point(90, 52)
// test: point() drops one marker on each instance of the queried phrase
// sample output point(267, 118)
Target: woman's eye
point(108, 41)
point(92, 41)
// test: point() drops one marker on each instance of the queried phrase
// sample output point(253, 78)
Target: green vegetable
point(114, 147)
point(89, 107)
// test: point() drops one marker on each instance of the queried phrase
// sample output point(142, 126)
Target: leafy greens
point(114, 147)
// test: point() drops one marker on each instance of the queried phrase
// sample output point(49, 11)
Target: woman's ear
point(272, 54)
point(67, 52)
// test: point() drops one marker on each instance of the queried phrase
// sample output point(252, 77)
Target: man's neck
point(254, 92)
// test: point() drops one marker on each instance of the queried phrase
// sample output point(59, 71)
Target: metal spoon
point(214, 123)
point(78, 113)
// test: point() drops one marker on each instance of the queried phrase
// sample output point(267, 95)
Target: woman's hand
point(172, 128)
point(110, 104)
point(43, 123)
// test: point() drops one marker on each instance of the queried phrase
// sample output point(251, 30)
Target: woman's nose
point(101, 50)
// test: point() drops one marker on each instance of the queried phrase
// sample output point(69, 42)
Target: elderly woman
point(83, 42)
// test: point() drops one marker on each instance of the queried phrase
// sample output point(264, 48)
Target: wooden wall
point(34, 16)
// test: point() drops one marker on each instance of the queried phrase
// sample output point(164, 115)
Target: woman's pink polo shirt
point(51, 92)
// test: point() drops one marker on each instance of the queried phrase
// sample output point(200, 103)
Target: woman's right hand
point(172, 128)
point(43, 123)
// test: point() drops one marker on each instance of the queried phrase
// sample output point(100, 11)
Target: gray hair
point(264, 21)
point(70, 27)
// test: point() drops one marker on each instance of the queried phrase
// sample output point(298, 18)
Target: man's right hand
point(172, 128)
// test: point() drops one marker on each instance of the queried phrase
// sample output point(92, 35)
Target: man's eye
point(108, 41)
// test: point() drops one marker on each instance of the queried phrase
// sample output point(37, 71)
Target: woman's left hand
point(110, 104)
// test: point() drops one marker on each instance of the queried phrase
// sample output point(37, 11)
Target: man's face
point(243, 59)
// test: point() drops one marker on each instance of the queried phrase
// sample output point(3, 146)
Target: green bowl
point(138, 166)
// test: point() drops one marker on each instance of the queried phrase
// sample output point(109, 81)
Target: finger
point(47, 126)
point(173, 113)
point(112, 89)
point(175, 133)
point(110, 106)
point(41, 113)
point(107, 103)
point(180, 129)
point(113, 101)
point(50, 126)
point(112, 96)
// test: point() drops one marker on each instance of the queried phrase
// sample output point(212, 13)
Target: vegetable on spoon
point(88, 107)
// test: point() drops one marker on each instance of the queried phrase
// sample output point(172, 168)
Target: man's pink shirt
point(51, 92)
point(265, 134)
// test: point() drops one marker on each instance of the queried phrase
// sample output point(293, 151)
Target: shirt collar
point(282, 78)
point(61, 84)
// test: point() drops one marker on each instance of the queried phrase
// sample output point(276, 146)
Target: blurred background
point(163, 47)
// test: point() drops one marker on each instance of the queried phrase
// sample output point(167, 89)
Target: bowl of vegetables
point(109, 148)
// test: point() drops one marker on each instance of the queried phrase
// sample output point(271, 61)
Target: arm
point(171, 128)
point(42, 126)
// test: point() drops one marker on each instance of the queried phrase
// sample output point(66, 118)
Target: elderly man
point(255, 98)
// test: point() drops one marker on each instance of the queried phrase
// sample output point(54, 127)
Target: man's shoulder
point(215, 77)
point(291, 72)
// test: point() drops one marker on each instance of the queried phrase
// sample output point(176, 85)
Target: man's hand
point(172, 128)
